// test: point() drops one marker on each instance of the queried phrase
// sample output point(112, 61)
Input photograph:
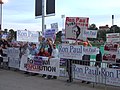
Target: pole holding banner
point(43, 16)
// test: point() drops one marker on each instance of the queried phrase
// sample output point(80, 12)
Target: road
point(16, 80)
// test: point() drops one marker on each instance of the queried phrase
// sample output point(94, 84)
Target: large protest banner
point(49, 33)
point(70, 51)
point(90, 33)
point(41, 65)
point(75, 26)
point(13, 55)
point(27, 36)
point(98, 75)
point(113, 37)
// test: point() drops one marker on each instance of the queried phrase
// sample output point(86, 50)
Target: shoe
point(34, 74)
point(43, 75)
point(88, 82)
point(54, 77)
point(83, 81)
point(49, 77)
point(26, 72)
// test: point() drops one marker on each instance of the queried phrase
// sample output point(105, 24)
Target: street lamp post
point(1, 2)
point(63, 16)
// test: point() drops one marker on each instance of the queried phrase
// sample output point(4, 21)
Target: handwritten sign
point(90, 33)
point(75, 26)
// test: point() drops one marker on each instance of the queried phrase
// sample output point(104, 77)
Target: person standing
point(86, 58)
point(98, 59)
point(1, 54)
point(50, 46)
point(54, 55)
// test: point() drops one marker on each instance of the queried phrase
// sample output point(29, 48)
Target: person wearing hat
point(86, 58)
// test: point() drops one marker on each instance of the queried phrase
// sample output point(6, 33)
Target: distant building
point(104, 27)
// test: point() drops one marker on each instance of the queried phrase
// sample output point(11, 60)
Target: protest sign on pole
point(49, 33)
point(27, 36)
point(54, 26)
point(75, 26)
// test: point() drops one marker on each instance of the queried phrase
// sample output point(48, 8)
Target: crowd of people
point(46, 48)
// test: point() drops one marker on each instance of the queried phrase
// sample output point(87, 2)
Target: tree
point(114, 29)
point(11, 35)
point(58, 37)
point(5, 31)
point(92, 27)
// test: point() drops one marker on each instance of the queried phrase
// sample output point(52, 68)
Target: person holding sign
point(54, 55)
point(86, 58)
point(33, 50)
point(44, 53)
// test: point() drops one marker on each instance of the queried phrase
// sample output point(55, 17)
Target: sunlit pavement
point(16, 80)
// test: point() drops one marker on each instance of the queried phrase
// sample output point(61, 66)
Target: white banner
point(63, 72)
point(90, 50)
point(70, 51)
point(75, 26)
point(13, 54)
point(113, 37)
point(99, 75)
point(118, 53)
point(40, 65)
point(14, 62)
point(27, 36)
point(90, 33)
point(83, 72)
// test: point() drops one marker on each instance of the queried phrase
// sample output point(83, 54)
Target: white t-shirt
point(55, 53)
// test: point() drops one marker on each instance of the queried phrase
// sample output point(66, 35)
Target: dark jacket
point(98, 59)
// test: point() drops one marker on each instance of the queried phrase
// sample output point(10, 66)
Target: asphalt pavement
point(16, 80)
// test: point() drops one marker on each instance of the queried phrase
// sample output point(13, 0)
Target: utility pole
point(43, 16)
point(1, 2)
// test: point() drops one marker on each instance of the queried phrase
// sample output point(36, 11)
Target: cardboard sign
point(27, 36)
point(75, 26)
point(113, 37)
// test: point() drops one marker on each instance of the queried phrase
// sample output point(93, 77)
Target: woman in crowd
point(42, 52)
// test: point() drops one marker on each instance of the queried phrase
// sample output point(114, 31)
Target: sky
point(20, 14)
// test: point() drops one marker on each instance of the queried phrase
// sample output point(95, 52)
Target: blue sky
point(19, 14)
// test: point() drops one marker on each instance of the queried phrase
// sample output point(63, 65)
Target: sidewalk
point(15, 80)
